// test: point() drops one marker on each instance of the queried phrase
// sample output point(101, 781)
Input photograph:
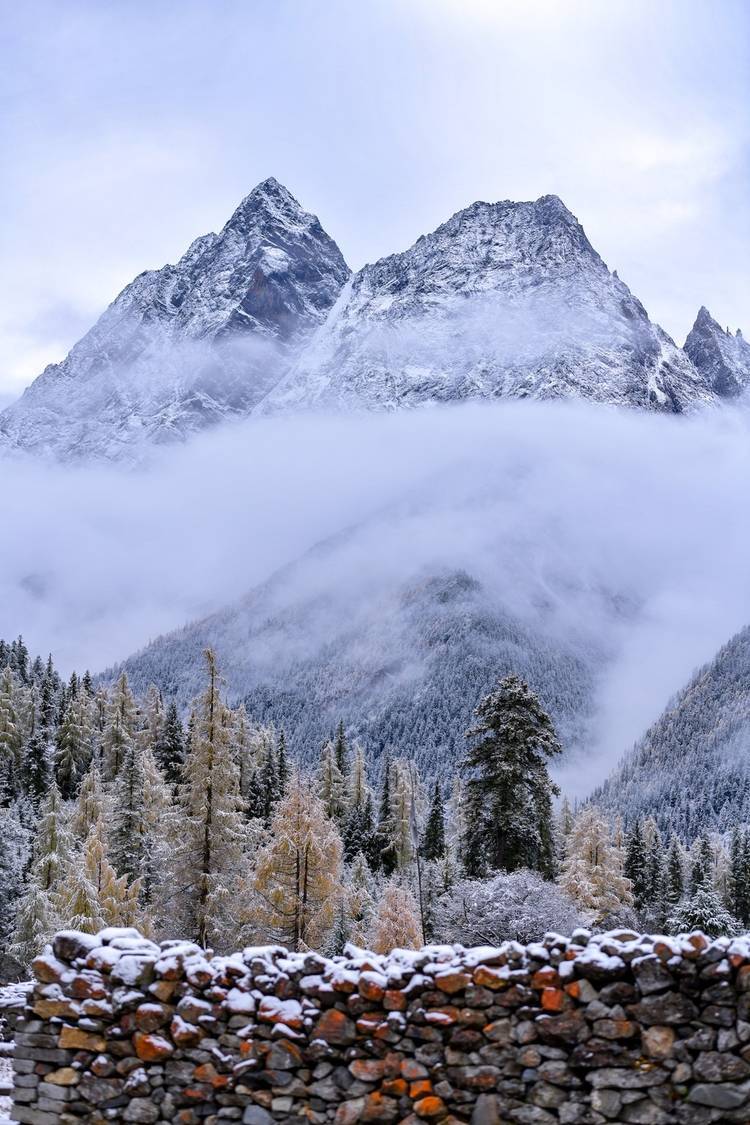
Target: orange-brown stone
point(451, 982)
point(394, 1001)
point(431, 1106)
point(487, 977)
point(553, 999)
point(335, 1027)
point(72, 1038)
point(188, 1035)
point(367, 1070)
point(420, 1088)
point(545, 978)
point(394, 1087)
point(151, 1048)
point(371, 990)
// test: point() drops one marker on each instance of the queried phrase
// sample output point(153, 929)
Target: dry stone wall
point(616, 1027)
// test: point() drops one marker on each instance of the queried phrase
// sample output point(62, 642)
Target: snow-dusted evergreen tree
point(508, 789)
point(153, 717)
point(121, 729)
point(385, 856)
point(359, 903)
point(11, 736)
point(209, 857)
point(739, 880)
point(169, 748)
point(37, 917)
point(75, 744)
point(433, 838)
point(298, 872)
point(36, 757)
point(127, 835)
point(14, 851)
point(703, 910)
point(92, 805)
point(592, 874)
point(396, 924)
point(331, 784)
point(675, 875)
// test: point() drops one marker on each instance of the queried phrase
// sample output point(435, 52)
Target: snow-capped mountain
point(722, 359)
point(505, 299)
point(189, 344)
point(691, 770)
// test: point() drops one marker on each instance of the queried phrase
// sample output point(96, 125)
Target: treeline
point(115, 813)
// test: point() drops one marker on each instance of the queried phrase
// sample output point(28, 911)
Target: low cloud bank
point(630, 526)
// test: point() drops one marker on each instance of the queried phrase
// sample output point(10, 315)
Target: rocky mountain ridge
point(503, 300)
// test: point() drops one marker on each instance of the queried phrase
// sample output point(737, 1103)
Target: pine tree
point(75, 744)
point(331, 787)
point(210, 858)
point(385, 856)
point(169, 748)
point(92, 805)
point(358, 900)
point(636, 868)
point(359, 834)
point(11, 737)
point(282, 766)
point(703, 910)
point(37, 917)
point(14, 850)
point(127, 839)
point(592, 873)
point(675, 873)
point(36, 764)
point(153, 717)
point(268, 777)
point(508, 788)
point(433, 840)
point(341, 751)
point(121, 728)
point(396, 924)
point(298, 872)
point(701, 870)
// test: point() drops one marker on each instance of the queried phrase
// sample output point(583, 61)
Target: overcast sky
point(128, 129)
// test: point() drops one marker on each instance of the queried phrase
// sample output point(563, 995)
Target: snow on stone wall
point(616, 1027)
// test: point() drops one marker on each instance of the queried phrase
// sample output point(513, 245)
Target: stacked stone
point(616, 1027)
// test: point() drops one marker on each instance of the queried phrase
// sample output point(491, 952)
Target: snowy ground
point(6, 1078)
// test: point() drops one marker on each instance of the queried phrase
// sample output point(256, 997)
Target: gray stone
point(485, 1111)
point(141, 1109)
point(713, 1066)
point(256, 1115)
point(717, 1096)
point(624, 1079)
point(606, 1102)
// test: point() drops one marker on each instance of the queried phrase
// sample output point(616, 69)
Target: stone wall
point(588, 1029)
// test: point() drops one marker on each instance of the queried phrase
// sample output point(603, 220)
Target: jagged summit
point(722, 359)
point(190, 344)
point(503, 300)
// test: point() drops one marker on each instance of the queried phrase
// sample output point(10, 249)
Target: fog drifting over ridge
point(560, 506)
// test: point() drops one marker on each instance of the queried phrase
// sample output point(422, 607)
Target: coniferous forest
point(120, 810)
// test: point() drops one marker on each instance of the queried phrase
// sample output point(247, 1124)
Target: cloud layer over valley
point(617, 529)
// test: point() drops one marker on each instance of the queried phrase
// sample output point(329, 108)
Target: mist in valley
point(624, 532)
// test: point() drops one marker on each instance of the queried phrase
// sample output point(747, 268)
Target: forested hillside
point(403, 669)
point(691, 770)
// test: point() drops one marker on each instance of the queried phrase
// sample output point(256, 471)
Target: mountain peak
point(269, 201)
point(722, 359)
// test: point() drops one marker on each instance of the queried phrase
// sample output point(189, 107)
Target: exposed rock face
point(505, 299)
point(722, 359)
point(191, 344)
point(120, 1029)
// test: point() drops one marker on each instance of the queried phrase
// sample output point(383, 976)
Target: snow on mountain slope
point(504, 299)
point(722, 359)
point(188, 345)
point(691, 770)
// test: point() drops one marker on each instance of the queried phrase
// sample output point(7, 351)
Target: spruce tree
point(282, 765)
point(169, 748)
point(636, 867)
point(386, 853)
point(508, 788)
point(121, 727)
point(341, 751)
point(433, 840)
point(11, 737)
